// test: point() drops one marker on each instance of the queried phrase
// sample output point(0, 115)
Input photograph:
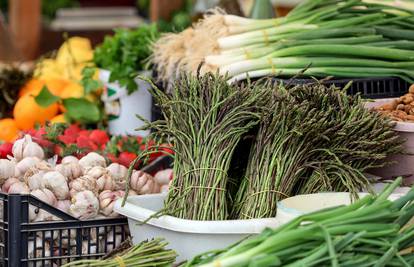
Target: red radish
point(72, 130)
point(125, 158)
point(67, 139)
point(84, 142)
point(99, 137)
point(5, 150)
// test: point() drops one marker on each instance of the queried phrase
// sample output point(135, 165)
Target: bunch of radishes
point(84, 188)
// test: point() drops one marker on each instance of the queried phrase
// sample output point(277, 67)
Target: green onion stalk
point(373, 231)
point(205, 119)
point(351, 29)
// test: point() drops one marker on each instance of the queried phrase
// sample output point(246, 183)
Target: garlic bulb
point(63, 205)
point(85, 205)
point(7, 170)
point(106, 203)
point(35, 181)
point(143, 183)
point(45, 195)
point(35, 249)
point(82, 183)
point(103, 178)
point(164, 188)
point(71, 170)
point(25, 164)
point(25, 147)
point(92, 159)
point(70, 159)
point(9, 182)
point(18, 188)
point(163, 177)
point(119, 172)
point(57, 183)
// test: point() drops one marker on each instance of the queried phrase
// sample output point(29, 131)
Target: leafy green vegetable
point(125, 54)
point(88, 82)
point(45, 98)
point(82, 110)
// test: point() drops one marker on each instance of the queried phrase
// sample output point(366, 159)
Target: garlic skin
point(91, 160)
point(143, 183)
point(103, 178)
point(163, 177)
point(82, 183)
point(85, 205)
point(18, 188)
point(9, 182)
point(106, 203)
point(25, 164)
point(35, 181)
point(57, 183)
point(7, 170)
point(119, 173)
point(71, 170)
point(70, 159)
point(25, 147)
point(63, 205)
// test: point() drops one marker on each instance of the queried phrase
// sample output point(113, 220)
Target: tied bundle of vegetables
point(205, 118)
point(373, 231)
point(313, 139)
point(148, 253)
point(353, 38)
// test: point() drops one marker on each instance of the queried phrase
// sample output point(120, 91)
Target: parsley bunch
point(126, 53)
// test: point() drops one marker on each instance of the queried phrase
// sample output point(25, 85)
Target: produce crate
point(374, 88)
point(53, 243)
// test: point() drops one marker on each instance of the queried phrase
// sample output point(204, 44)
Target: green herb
point(125, 54)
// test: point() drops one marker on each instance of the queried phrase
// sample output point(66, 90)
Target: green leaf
point(88, 83)
point(45, 98)
point(82, 110)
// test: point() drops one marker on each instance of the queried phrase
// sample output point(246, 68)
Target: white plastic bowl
point(188, 237)
point(293, 207)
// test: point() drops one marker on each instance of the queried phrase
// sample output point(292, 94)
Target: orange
point(56, 86)
point(58, 119)
point(27, 112)
point(34, 86)
point(8, 130)
point(72, 90)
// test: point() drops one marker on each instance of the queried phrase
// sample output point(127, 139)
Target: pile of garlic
point(86, 188)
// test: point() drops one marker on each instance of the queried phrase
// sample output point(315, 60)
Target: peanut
point(411, 89)
point(400, 107)
point(407, 99)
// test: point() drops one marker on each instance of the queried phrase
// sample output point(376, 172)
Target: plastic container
point(189, 238)
point(121, 108)
point(368, 87)
point(403, 164)
point(88, 239)
point(293, 207)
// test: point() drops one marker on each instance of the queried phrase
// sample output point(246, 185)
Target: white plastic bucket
point(188, 237)
point(122, 108)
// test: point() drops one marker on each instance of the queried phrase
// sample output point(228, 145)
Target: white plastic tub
point(293, 207)
point(121, 108)
point(189, 238)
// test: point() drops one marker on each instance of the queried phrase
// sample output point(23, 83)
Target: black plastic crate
point(53, 243)
point(374, 88)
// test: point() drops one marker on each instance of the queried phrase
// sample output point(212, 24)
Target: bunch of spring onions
point(372, 231)
point(152, 253)
point(351, 38)
point(205, 118)
point(311, 139)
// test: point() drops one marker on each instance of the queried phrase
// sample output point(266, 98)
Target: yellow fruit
point(8, 130)
point(27, 112)
point(72, 90)
point(58, 119)
point(75, 50)
point(48, 69)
